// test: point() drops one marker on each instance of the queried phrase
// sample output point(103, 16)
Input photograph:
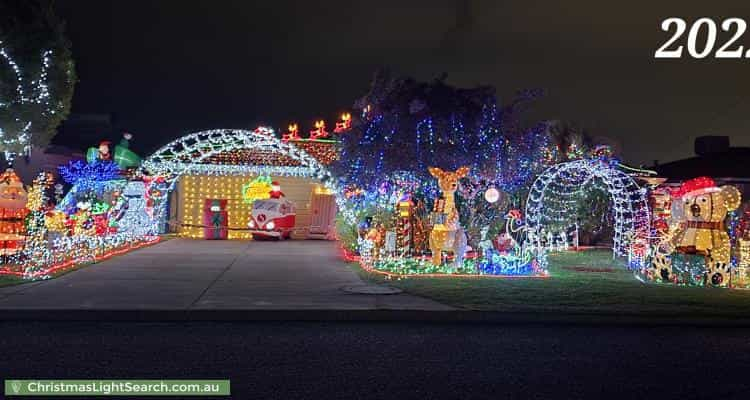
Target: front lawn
point(579, 282)
point(8, 280)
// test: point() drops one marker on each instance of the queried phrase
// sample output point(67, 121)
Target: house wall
point(192, 190)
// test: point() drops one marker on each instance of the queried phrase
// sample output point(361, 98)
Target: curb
point(398, 316)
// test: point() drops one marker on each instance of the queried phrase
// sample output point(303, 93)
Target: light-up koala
point(700, 209)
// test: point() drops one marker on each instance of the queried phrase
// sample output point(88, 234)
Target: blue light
point(89, 176)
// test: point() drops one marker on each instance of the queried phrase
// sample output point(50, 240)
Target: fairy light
point(698, 228)
point(553, 194)
point(36, 92)
point(199, 155)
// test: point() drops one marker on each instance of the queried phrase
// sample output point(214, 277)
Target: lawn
point(579, 282)
point(8, 280)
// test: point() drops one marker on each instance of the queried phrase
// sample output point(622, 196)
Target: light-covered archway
point(192, 154)
point(561, 184)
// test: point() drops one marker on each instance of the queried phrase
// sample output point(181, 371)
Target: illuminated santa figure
point(13, 210)
point(276, 192)
point(104, 153)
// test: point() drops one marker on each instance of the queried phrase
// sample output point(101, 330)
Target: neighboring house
point(714, 158)
point(87, 129)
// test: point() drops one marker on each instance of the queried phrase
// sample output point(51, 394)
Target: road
point(184, 274)
point(393, 360)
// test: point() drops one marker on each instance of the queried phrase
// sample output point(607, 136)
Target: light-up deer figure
point(448, 234)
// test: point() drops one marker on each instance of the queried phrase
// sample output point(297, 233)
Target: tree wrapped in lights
point(36, 75)
point(403, 126)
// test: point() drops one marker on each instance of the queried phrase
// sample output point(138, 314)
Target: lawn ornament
point(485, 244)
point(13, 211)
point(272, 218)
point(215, 219)
point(447, 233)
point(508, 256)
point(276, 192)
point(701, 210)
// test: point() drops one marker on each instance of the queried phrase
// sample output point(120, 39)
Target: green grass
point(571, 291)
point(9, 280)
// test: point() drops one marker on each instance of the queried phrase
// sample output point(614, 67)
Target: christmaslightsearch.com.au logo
point(28, 387)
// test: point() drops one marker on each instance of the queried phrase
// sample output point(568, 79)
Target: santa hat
point(694, 185)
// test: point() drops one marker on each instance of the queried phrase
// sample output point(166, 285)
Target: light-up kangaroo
point(448, 235)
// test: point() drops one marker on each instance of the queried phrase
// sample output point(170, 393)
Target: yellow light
point(319, 189)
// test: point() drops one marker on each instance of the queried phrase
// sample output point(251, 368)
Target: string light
point(556, 190)
point(207, 153)
point(34, 92)
point(698, 228)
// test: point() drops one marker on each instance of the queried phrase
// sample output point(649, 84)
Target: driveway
point(182, 274)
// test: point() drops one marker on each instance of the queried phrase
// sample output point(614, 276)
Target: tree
point(37, 75)
point(404, 126)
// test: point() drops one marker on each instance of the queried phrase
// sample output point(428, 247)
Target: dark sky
point(167, 68)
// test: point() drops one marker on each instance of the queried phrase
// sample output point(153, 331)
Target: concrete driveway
point(183, 274)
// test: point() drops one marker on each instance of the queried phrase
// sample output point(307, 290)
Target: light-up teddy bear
point(701, 208)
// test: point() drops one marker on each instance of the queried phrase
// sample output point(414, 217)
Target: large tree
point(403, 126)
point(37, 74)
point(407, 125)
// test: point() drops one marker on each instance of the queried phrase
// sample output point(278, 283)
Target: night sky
point(167, 68)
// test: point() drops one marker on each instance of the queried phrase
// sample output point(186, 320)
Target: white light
point(251, 224)
point(33, 91)
point(270, 225)
point(186, 155)
point(555, 194)
point(492, 195)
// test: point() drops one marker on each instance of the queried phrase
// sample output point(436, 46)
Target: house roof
point(324, 152)
point(732, 164)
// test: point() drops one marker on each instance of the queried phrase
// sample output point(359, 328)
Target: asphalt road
point(393, 360)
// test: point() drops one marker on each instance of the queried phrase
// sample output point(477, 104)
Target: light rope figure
point(511, 256)
point(447, 233)
point(515, 229)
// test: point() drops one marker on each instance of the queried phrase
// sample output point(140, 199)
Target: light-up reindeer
point(448, 234)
